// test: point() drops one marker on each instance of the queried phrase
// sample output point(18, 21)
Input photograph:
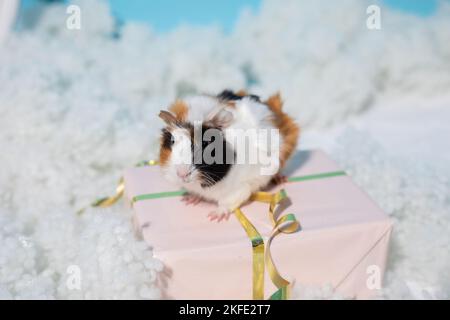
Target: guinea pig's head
point(195, 154)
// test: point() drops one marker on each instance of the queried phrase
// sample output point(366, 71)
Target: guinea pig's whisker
point(216, 174)
point(209, 181)
point(208, 178)
point(206, 166)
point(211, 175)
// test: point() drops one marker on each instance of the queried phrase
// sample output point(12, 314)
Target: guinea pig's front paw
point(190, 198)
point(219, 214)
point(278, 179)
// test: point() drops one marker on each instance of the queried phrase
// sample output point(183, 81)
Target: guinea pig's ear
point(220, 118)
point(168, 117)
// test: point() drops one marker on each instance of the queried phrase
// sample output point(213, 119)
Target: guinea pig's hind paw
point(219, 214)
point(191, 199)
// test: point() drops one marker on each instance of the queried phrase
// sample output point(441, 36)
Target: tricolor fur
point(228, 184)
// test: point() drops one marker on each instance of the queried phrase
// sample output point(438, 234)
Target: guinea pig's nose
point(182, 173)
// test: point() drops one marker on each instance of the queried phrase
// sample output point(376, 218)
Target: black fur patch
point(167, 139)
point(216, 171)
point(228, 95)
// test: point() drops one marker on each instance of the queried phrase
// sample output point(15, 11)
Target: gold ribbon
point(258, 254)
point(285, 224)
point(105, 202)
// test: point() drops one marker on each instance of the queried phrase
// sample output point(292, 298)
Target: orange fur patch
point(289, 130)
point(241, 93)
point(180, 109)
point(164, 156)
point(275, 103)
point(164, 152)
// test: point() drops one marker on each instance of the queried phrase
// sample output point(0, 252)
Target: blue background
point(164, 15)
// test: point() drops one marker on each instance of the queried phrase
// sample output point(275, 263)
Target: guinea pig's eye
point(168, 139)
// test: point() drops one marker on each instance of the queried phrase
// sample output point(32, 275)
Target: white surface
point(8, 9)
point(412, 132)
point(76, 107)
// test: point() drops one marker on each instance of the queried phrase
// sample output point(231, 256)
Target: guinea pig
point(200, 150)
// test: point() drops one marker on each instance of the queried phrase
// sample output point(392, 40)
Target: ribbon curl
point(285, 224)
point(258, 254)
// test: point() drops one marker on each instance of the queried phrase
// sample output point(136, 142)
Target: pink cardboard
point(343, 241)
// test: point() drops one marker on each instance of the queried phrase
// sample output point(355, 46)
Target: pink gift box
point(343, 241)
